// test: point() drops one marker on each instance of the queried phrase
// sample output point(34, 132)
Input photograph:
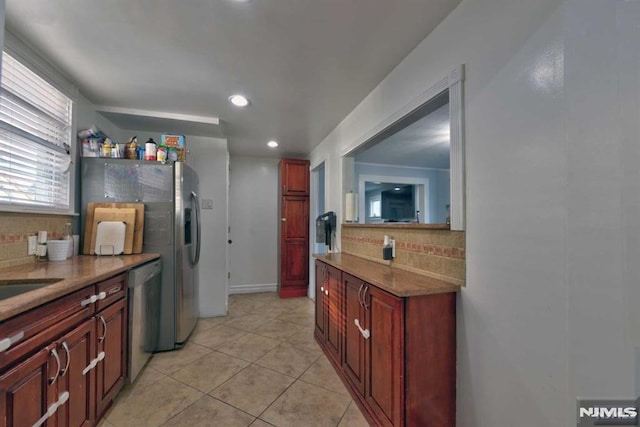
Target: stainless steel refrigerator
point(171, 227)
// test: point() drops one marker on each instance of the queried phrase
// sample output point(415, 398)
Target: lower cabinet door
point(334, 314)
point(29, 389)
point(111, 336)
point(77, 350)
point(320, 301)
point(354, 342)
point(384, 361)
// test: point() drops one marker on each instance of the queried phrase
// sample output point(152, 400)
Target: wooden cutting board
point(126, 215)
point(87, 249)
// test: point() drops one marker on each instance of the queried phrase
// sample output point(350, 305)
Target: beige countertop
point(75, 274)
point(398, 282)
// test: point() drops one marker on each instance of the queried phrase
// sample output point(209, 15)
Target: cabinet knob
point(326, 292)
point(283, 219)
point(321, 288)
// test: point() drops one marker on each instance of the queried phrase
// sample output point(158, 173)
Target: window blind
point(35, 133)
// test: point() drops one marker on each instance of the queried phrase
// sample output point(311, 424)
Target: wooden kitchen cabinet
point(331, 318)
point(293, 233)
point(383, 361)
point(112, 341)
point(25, 392)
point(321, 311)
point(77, 349)
point(294, 177)
point(68, 354)
point(397, 353)
point(353, 364)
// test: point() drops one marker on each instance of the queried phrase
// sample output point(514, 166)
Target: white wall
point(549, 311)
point(253, 217)
point(210, 159)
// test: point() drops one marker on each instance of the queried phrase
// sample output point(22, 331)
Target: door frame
point(313, 209)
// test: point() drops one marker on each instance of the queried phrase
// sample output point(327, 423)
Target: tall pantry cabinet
point(293, 239)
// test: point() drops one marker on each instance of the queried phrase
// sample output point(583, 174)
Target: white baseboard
point(252, 288)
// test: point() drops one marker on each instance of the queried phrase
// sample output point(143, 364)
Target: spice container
point(161, 156)
point(132, 148)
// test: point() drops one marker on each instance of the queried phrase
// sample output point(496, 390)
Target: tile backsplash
point(432, 252)
point(14, 229)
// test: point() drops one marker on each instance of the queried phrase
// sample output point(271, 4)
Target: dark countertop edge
point(403, 225)
point(437, 286)
point(14, 306)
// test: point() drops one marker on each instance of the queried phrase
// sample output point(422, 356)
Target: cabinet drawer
point(114, 288)
point(38, 327)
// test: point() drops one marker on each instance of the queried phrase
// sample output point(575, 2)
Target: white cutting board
point(110, 237)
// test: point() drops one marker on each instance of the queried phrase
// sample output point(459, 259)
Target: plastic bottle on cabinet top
point(69, 239)
point(150, 150)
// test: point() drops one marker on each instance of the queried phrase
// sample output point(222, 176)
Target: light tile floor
point(258, 366)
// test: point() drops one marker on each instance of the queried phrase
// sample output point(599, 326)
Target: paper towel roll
point(351, 207)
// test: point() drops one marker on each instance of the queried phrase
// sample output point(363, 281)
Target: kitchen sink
point(11, 288)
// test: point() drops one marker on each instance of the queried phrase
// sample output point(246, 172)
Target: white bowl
point(58, 250)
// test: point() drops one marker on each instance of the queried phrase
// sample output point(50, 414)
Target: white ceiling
point(305, 64)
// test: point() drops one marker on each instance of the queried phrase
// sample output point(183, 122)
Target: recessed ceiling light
point(397, 188)
point(239, 100)
point(272, 144)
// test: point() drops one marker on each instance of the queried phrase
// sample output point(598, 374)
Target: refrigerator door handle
point(196, 203)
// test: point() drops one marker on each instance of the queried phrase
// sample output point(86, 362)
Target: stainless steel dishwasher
point(144, 312)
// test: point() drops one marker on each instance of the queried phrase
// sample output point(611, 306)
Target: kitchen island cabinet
point(397, 352)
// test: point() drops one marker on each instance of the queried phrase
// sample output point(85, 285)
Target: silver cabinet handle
point(66, 368)
point(364, 298)
point(104, 335)
point(365, 332)
point(6, 343)
point(102, 295)
point(360, 296)
point(326, 291)
point(283, 219)
point(118, 288)
point(321, 288)
point(53, 379)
